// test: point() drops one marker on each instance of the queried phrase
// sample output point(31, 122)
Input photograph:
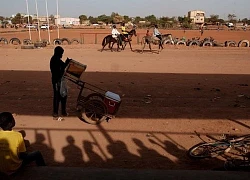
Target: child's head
point(7, 121)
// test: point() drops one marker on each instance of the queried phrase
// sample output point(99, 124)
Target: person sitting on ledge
point(13, 153)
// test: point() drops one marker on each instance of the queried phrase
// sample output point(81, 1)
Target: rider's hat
point(114, 26)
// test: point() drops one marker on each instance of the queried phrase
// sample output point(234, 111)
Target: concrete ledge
point(71, 173)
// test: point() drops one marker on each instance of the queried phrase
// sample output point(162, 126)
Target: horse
point(156, 41)
point(109, 39)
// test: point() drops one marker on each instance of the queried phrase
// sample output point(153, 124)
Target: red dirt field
point(203, 90)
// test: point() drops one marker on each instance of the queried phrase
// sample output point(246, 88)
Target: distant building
point(197, 17)
point(67, 21)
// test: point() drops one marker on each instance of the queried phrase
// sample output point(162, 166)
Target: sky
point(132, 8)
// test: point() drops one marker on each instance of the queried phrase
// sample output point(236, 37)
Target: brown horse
point(109, 39)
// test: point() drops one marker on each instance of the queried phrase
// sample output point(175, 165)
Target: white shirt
point(156, 32)
point(114, 33)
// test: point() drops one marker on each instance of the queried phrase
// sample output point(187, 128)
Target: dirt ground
point(203, 90)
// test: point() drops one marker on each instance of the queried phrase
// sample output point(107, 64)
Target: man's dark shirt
point(57, 67)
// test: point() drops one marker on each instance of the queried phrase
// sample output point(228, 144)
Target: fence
point(98, 37)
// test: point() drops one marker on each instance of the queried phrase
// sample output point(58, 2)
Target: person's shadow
point(121, 157)
point(72, 154)
point(150, 158)
point(47, 152)
point(184, 162)
point(95, 160)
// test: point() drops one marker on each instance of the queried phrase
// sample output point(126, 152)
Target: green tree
point(185, 21)
point(165, 22)
point(116, 18)
point(221, 21)
point(82, 18)
point(104, 18)
point(214, 18)
point(126, 18)
point(1, 18)
point(93, 20)
point(17, 19)
point(26, 19)
point(137, 19)
point(151, 18)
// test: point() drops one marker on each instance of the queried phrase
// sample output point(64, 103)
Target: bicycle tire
point(94, 111)
point(207, 150)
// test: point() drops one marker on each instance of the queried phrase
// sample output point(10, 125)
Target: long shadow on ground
point(144, 95)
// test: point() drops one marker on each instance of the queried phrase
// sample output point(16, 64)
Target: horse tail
point(104, 41)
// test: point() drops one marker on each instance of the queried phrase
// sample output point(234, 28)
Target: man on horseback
point(124, 32)
point(116, 35)
point(156, 33)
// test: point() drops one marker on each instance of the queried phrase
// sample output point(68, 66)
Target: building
point(197, 17)
point(67, 21)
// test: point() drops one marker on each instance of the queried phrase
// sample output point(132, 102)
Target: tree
point(1, 18)
point(246, 21)
point(82, 18)
point(93, 20)
point(116, 18)
point(104, 18)
point(165, 22)
point(28, 20)
point(214, 18)
point(52, 18)
point(138, 19)
point(126, 18)
point(232, 18)
point(151, 18)
point(185, 21)
point(17, 19)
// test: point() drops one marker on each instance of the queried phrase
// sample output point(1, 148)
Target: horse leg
point(118, 48)
point(112, 47)
point(143, 45)
point(161, 44)
point(130, 46)
point(149, 44)
point(125, 44)
point(103, 47)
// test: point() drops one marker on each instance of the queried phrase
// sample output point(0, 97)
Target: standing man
point(201, 29)
point(57, 67)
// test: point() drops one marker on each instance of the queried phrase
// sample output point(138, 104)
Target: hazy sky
point(74, 8)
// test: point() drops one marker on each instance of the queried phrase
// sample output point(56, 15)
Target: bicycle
point(220, 147)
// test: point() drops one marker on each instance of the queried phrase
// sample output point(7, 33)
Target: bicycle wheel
point(94, 111)
point(207, 150)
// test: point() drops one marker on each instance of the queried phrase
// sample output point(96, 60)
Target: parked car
point(44, 26)
point(229, 25)
point(30, 26)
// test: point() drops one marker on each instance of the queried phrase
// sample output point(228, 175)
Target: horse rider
point(124, 32)
point(116, 34)
point(148, 36)
point(157, 33)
